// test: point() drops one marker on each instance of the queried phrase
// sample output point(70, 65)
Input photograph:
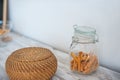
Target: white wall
point(51, 21)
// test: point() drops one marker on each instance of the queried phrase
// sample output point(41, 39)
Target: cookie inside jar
point(85, 63)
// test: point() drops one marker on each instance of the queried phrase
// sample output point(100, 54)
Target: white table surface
point(63, 72)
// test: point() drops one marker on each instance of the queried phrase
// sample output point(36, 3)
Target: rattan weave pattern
point(32, 63)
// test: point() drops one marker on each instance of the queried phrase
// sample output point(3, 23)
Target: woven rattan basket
point(32, 63)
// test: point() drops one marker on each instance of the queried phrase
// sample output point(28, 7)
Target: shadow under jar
point(83, 50)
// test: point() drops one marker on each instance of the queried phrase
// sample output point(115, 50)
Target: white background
point(51, 21)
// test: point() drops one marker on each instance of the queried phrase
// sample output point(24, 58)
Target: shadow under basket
point(32, 63)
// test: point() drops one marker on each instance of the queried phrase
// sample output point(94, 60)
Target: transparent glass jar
point(83, 50)
point(5, 37)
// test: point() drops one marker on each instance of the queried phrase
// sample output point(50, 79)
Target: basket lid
point(31, 54)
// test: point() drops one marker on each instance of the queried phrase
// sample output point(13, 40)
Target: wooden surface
point(63, 71)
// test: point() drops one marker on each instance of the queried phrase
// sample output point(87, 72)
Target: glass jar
point(83, 50)
point(5, 34)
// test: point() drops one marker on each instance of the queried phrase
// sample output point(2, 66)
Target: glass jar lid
point(85, 34)
point(86, 30)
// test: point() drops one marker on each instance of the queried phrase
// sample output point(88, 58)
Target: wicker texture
point(31, 63)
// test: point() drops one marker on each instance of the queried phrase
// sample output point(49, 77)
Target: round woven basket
point(32, 63)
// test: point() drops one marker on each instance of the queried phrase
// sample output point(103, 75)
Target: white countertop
point(63, 71)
